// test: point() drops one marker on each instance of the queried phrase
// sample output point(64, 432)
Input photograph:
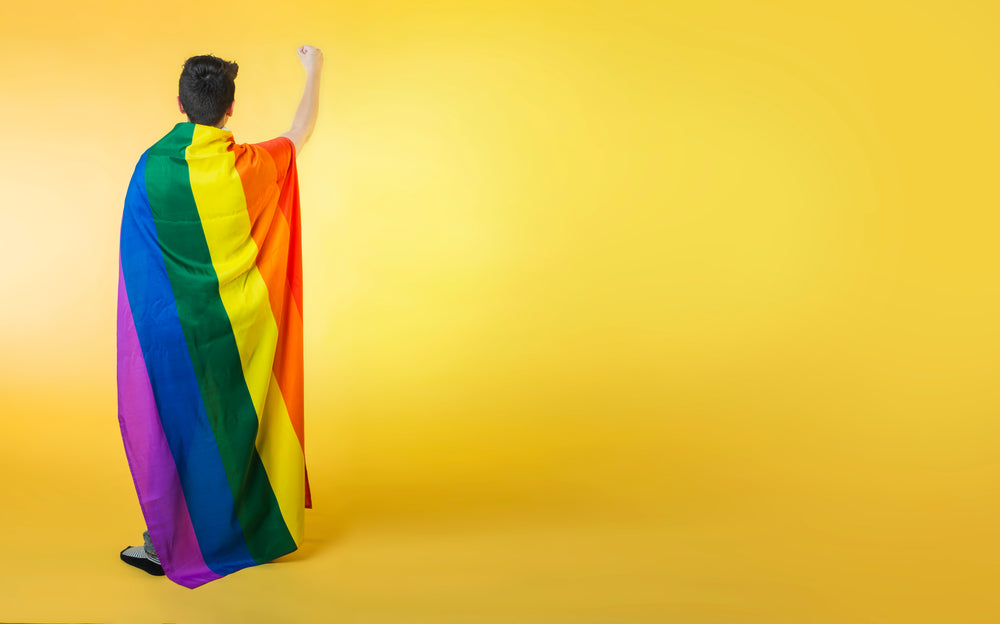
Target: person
point(209, 335)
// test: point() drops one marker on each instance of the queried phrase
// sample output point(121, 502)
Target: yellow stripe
point(281, 453)
point(218, 193)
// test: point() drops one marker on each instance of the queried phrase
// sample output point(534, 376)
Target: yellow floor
point(662, 533)
point(450, 556)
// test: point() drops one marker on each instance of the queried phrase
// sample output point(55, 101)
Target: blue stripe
point(175, 387)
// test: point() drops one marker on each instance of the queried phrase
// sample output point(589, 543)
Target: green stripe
point(212, 345)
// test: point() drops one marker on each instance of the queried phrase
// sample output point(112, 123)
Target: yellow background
point(615, 311)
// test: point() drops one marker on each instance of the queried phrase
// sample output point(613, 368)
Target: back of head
point(207, 88)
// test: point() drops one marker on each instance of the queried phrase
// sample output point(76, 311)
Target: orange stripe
point(289, 208)
point(269, 229)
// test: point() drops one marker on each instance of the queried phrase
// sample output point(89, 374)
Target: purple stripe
point(153, 471)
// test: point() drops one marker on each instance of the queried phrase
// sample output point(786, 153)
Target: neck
point(220, 125)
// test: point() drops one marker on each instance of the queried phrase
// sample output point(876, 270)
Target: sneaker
point(136, 556)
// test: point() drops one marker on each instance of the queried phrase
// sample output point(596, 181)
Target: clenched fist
point(311, 57)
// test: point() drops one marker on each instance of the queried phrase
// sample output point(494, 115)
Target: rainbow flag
point(210, 351)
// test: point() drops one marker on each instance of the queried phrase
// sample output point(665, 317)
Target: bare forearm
point(305, 115)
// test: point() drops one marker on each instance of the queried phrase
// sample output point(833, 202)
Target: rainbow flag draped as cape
point(210, 351)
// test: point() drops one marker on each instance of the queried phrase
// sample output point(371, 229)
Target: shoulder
point(273, 158)
point(278, 144)
point(279, 148)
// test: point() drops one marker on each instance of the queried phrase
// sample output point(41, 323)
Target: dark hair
point(207, 88)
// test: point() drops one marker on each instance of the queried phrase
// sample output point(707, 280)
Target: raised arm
point(305, 116)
